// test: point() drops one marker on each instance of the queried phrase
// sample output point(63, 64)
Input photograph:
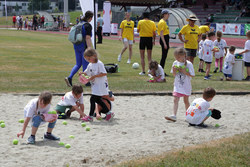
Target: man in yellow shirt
point(192, 35)
point(146, 29)
point(127, 36)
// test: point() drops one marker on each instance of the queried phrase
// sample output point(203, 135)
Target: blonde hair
point(89, 52)
point(180, 52)
point(45, 97)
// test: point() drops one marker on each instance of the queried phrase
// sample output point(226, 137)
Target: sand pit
point(136, 131)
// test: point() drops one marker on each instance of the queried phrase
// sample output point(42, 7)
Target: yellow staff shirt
point(162, 26)
point(204, 29)
point(128, 29)
point(191, 34)
point(146, 28)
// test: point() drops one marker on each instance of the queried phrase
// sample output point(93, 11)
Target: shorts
point(228, 75)
point(208, 62)
point(130, 42)
point(191, 52)
point(247, 64)
point(61, 109)
point(201, 60)
point(179, 94)
point(146, 42)
point(209, 113)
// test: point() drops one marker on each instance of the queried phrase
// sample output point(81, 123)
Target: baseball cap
point(165, 11)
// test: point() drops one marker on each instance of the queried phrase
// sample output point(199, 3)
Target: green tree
point(38, 4)
point(16, 8)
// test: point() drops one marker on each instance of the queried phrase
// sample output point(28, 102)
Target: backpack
point(75, 33)
point(111, 68)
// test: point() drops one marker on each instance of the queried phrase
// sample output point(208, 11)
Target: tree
point(36, 4)
point(16, 8)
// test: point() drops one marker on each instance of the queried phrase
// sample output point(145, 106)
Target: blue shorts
point(228, 75)
point(209, 113)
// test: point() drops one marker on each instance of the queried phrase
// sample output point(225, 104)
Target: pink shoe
point(109, 116)
point(87, 119)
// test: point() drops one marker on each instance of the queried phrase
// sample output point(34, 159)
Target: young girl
point(183, 71)
point(221, 44)
point(99, 83)
point(156, 72)
point(201, 52)
point(34, 111)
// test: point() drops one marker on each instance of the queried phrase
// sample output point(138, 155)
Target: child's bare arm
point(27, 119)
point(79, 110)
point(183, 70)
point(244, 51)
point(174, 71)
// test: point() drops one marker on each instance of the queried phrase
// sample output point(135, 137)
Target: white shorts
point(130, 42)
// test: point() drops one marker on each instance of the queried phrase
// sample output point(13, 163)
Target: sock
point(32, 135)
point(48, 133)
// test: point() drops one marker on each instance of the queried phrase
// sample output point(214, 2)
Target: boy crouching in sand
point(35, 110)
point(199, 111)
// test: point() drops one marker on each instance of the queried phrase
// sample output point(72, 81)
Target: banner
point(106, 18)
point(233, 29)
point(247, 27)
point(242, 31)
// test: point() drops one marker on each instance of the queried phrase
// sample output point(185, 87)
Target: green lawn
point(36, 61)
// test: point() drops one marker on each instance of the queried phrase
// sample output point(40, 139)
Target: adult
point(192, 35)
point(127, 36)
point(80, 48)
point(146, 29)
point(100, 23)
point(14, 21)
point(35, 22)
point(163, 32)
point(42, 21)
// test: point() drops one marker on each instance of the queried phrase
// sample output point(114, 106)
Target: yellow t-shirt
point(204, 29)
point(191, 34)
point(128, 29)
point(146, 28)
point(162, 26)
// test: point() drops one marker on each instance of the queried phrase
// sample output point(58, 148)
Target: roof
point(137, 2)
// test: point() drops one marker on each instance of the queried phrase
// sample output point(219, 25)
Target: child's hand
point(174, 69)
point(53, 120)
point(21, 134)
point(183, 70)
point(98, 116)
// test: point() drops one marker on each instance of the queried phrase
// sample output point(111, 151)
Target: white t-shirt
point(221, 45)
point(201, 49)
point(228, 63)
point(208, 53)
point(182, 82)
point(99, 85)
point(160, 72)
point(246, 56)
point(32, 109)
point(197, 111)
point(69, 100)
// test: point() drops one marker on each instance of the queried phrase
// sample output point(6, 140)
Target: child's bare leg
point(176, 102)
point(33, 130)
point(248, 71)
point(202, 64)
point(205, 119)
point(186, 101)
point(142, 53)
point(207, 69)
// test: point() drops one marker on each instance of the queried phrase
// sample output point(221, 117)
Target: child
point(183, 72)
point(156, 72)
point(201, 52)
point(199, 111)
point(208, 53)
point(221, 44)
point(72, 100)
point(34, 111)
point(228, 64)
point(99, 83)
point(246, 57)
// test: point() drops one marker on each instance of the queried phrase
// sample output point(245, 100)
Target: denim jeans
point(36, 121)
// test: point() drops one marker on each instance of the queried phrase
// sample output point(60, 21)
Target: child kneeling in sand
point(35, 110)
point(72, 100)
point(199, 111)
point(156, 72)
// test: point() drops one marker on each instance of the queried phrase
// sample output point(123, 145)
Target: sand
point(136, 131)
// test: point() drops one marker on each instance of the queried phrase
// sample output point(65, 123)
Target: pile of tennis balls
point(2, 124)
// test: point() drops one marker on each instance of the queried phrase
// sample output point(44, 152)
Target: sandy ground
point(136, 131)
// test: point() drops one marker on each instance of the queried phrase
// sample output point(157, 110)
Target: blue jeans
point(36, 121)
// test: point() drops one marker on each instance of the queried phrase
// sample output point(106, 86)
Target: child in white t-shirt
point(183, 71)
point(199, 110)
point(208, 53)
point(201, 52)
point(72, 100)
point(99, 83)
point(222, 45)
point(156, 72)
point(228, 64)
point(246, 56)
point(34, 111)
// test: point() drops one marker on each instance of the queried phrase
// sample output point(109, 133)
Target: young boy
point(201, 52)
point(228, 63)
point(208, 53)
point(198, 112)
point(246, 57)
point(72, 100)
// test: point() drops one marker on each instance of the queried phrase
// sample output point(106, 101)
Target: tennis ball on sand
point(217, 125)
point(87, 128)
point(67, 146)
point(15, 141)
point(83, 124)
point(61, 144)
point(65, 123)
point(2, 125)
point(71, 136)
point(21, 121)
point(1, 121)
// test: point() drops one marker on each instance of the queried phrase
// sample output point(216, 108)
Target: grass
point(233, 151)
point(36, 61)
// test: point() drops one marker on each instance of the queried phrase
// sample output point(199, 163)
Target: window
point(23, 4)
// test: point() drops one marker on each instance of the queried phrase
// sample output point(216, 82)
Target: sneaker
point(171, 118)
point(31, 140)
point(88, 84)
point(206, 78)
point(109, 116)
point(202, 125)
point(142, 73)
point(203, 71)
point(215, 70)
point(87, 119)
point(119, 57)
point(68, 81)
point(68, 114)
point(209, 75)
point(129, 61)
point(50, 137)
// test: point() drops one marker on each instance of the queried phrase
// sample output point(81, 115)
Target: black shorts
point(201, 60)
point(146, 42)
point(208, 62)
point(247, 64)
point(191, 52)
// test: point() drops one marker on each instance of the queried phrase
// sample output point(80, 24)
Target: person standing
point(146, 29)
point(100, 23)
point(80, 48)
point(163, 32)
point(127, 36)
point(14, 21)
point(35, 22)
point(192, 35)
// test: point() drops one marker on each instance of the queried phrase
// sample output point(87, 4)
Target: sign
point(106, 18)
point(247, 27)
point(233, 29)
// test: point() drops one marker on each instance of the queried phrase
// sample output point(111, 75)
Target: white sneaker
point(129, 61)
point(171, 118)
point(142, 73)
point(119, 57)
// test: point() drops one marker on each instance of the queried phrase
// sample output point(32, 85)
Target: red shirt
point(42, 19)
point(14, 18)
